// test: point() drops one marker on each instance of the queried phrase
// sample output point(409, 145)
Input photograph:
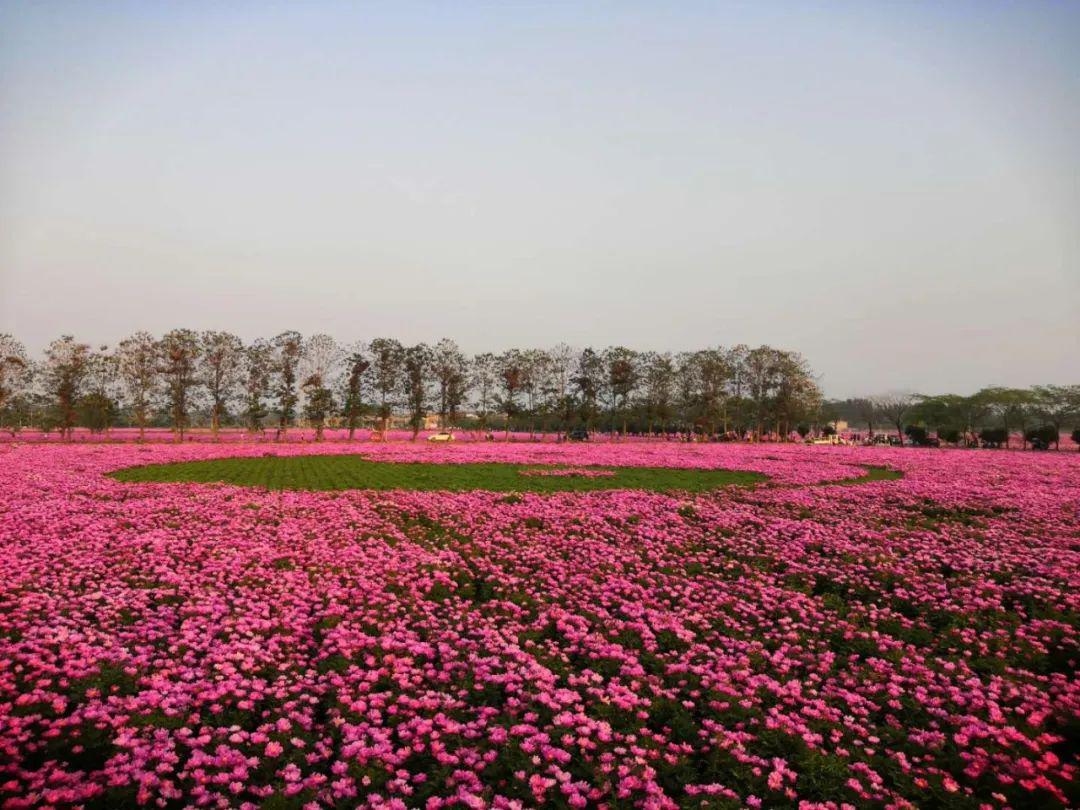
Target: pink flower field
point(898, 643)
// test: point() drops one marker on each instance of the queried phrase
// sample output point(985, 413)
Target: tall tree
point(319, 361)
point(713, 374)
point(258, 370)
point(387, 356)
point(658, 378)
point(97, 407)
point(288, 349)
point(535, 366)
point(357, 364)
point(740, 407)
point(416, 365)
point(622, 372)
point(1013, 408)
point(15, 373)
point(320, 356)
point(1056, 405)
point(688, 391)
point(761, 368)
point(484, 380)
point(945, 412)
point(137, 364)
point(588, 381)
point(796, 396)
point(318, 403)
point(511, 365)
point(558, 390)
point(221, 366)
point(450, 371)
point(178, 355)
point(895, 407)
point(66, 362)
point(867, 411)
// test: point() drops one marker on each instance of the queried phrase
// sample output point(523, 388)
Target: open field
point(362, 436)
point(904, 642)
point(339, 472)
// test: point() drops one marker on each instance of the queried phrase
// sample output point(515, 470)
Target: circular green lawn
point(338, 472)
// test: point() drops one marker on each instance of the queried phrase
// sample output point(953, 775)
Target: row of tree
point(990, 416)
point(186, 378)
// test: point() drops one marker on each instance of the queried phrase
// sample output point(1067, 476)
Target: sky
point(892, 189)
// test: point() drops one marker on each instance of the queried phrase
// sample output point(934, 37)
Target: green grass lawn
point(337, 472)
point(872, 474)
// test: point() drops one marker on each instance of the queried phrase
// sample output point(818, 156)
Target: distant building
point(400, 422)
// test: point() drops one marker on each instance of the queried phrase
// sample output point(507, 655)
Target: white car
point(441, 436)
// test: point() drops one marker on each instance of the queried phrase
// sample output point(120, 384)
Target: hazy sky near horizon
point(892, 189)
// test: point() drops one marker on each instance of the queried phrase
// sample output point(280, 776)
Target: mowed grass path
point(339, 472)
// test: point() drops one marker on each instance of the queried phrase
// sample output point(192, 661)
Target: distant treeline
point(989, 417)
point(186, 378)
point(213, 379)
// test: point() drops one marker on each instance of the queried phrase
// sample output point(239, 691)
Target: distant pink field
point(305, 436)
point(900, 643)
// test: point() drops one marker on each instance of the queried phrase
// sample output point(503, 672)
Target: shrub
point(96, 412)
point(993, 437)
point(917, 434)
point(950, 435)
point(1042, 437)
point(1076, 438)
point(803, 431)
point(828, 430)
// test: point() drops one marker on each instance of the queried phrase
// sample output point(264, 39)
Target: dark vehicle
point(578, 435)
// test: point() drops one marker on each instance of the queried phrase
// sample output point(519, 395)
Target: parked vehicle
point(578, 435)
point(441, 436)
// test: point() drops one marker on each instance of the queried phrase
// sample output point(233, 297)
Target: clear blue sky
point(891, 188)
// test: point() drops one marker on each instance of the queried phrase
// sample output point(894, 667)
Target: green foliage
point(950, 435)
point(178, 354)
point(96, 412)
point(318, 404)
point(1042, 437)
point(288, 349)
point(917, 434)
point(872, 474)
